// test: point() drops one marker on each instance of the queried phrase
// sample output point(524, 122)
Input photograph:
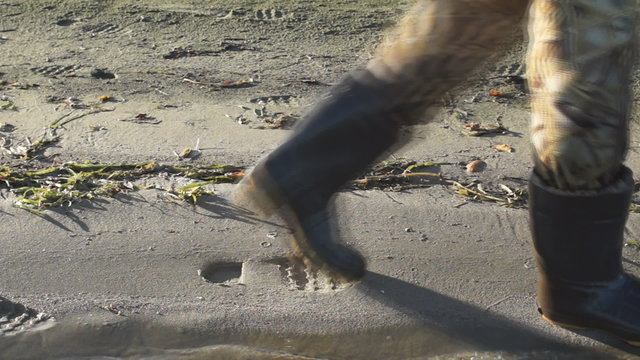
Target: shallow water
point(134, 340)
point(244, 353)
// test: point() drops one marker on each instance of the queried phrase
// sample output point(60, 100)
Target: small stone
point(102, 74)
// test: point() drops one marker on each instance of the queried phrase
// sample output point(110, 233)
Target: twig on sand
point(65, 119)
point(198, 82)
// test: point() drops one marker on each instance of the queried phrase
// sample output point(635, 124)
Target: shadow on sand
point(480, 329)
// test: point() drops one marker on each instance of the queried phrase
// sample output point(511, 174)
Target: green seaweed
point(39, 189)
point(634, 243)
point(193, 191)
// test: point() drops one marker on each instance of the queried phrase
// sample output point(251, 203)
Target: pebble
point(475, 166)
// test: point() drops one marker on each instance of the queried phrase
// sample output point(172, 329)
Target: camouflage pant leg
point(437, 45)
point(578, 68)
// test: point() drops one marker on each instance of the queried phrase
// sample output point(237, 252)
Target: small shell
point(185, 153)
point(475, 166)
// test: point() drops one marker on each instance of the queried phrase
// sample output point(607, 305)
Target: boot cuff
point(584, 205)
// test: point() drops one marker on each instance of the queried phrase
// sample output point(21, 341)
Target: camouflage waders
point(579, 63)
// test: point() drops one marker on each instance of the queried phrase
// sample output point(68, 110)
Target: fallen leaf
point(236, 174)
point(238, 83)
point(477, 129)
point(495, 93)
point(185, 153)
point(503, 147)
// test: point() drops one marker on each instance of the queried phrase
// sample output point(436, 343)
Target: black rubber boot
point(342, 136)
point(578, 241)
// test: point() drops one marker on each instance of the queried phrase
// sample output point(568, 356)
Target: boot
point(342, 136)
point(578, 240)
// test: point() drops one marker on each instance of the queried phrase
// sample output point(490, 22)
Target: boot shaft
point(578, 236)
point(351, 128)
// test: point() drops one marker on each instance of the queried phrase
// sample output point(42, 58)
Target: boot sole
point(258, 195)
point(564, 325)
point(577, 327)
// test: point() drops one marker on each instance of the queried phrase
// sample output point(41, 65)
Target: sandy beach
point(123, 128)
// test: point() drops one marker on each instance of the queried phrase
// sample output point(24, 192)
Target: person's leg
point(578, 70)
point(436, 45)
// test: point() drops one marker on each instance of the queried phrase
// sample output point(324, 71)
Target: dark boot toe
point(347, 262)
